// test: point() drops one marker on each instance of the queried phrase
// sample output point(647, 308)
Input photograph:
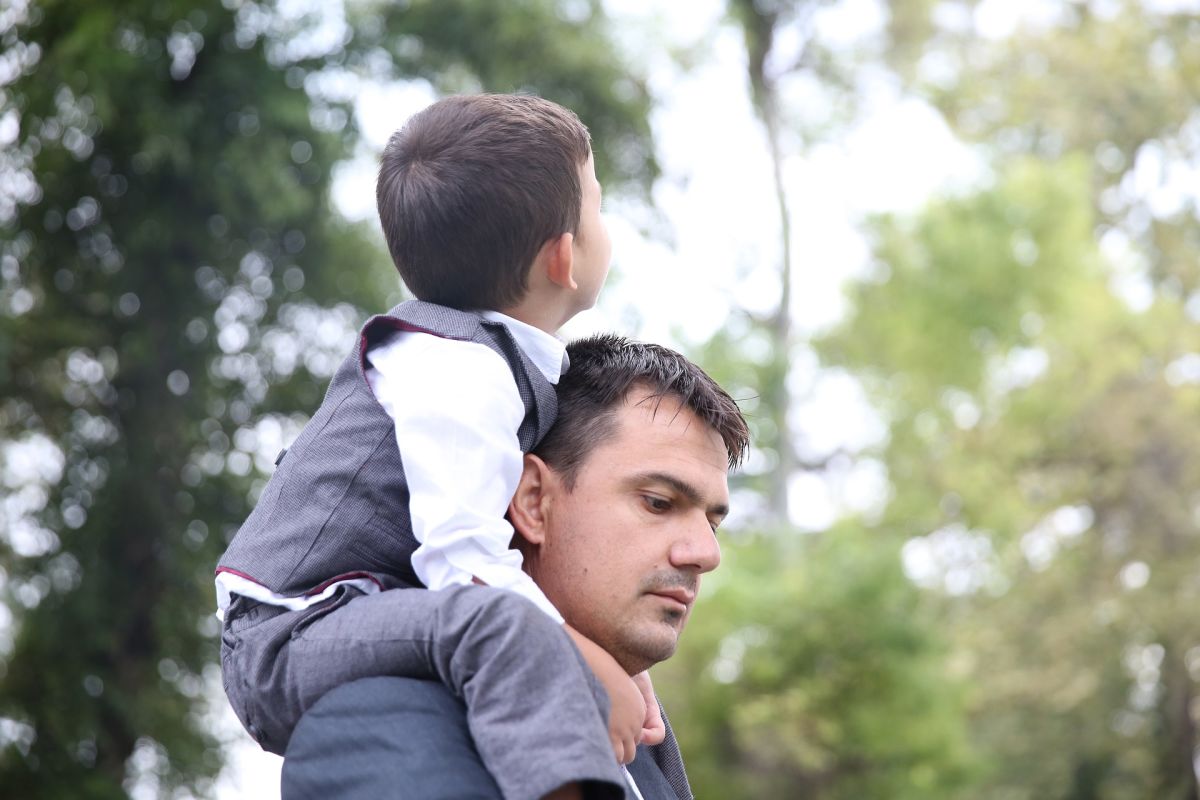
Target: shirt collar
point(545, 350)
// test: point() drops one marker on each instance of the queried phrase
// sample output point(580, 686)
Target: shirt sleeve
point(457, 411)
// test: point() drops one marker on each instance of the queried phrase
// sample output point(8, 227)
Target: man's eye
point(656, 504)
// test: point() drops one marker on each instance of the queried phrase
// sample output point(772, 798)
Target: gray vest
point(337, 505)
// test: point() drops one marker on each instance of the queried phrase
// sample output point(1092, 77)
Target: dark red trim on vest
point(397, 325)
point(239, 573)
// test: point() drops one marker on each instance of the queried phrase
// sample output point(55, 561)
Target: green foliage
point(1079, 476)
point(176, 290)
point(1055, 497)
point(808, 670)
point(812, 668)
point(168, 190)
point(1040, 448)
point(967, 282)
point(560, 50)
point(1116, 83)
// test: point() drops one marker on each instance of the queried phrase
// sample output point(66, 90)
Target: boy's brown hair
point(472, 187)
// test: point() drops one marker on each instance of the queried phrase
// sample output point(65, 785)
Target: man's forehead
point(646, 417)
point(657, 407)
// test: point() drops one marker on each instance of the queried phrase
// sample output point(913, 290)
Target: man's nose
point(696, 546)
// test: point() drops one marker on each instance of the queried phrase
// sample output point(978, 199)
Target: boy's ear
point(527, 511)
point(559, 255)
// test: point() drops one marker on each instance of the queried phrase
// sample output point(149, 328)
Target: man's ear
point(528, 509)
point(559, 255)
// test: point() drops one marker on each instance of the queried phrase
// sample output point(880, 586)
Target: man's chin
point(655, 645)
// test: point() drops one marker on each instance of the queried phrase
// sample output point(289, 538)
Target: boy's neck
point(552, 296)
point(546, 313)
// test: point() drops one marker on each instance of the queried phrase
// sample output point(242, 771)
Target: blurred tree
point(771, 67)
point(1040, 464)
point(1117, 82)
point(560, 50)
point(176, 290)
point(809, 671)
point(175, 194)
point(1033, 348)
point(814, 668)
point(759, 23)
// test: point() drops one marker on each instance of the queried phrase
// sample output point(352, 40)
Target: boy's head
point(472, 190)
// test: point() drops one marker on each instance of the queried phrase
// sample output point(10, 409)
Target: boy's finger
point(654, 731)
point(653, 735)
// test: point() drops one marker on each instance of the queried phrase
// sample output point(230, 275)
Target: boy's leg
point(253, 642)
point(535, 710)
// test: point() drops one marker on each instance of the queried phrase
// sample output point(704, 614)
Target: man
point(615, 513)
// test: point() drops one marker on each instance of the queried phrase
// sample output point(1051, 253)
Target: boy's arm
point(627, 710)
point(456, 412)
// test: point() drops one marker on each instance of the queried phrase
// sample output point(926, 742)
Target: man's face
point(593, 249)
point(624, 550)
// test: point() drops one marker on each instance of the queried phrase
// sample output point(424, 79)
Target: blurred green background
point(996, 598)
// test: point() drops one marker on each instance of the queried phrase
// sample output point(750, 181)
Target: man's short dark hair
point(472, 187)
point(604, 370)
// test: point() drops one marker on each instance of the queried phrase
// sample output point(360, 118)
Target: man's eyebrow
point(683, 487)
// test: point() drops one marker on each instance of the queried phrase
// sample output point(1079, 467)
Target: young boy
point(491, 210)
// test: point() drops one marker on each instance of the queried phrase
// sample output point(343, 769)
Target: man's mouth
point(682, 597)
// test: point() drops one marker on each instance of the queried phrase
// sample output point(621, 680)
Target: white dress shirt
point(632, 784)
point(457, 434)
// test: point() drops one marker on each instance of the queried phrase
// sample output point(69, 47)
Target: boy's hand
point(627, 711)
point(653, 728)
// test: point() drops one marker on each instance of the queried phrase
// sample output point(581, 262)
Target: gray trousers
point(535, 711)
